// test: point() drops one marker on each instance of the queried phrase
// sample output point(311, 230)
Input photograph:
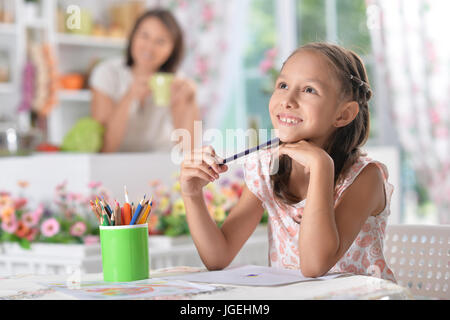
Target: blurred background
point(233, 50)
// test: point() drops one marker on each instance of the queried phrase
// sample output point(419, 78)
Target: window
point(339, 21)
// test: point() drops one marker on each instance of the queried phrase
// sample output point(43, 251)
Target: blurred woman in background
point(121, 96)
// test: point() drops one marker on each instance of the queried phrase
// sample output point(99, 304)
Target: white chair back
point(419, 256)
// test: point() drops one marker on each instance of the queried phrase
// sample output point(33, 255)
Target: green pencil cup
point(124, 252)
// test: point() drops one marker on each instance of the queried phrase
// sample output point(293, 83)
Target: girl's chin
point(288, 138)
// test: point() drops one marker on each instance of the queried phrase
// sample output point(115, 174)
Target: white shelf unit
point(12, 40)
point(83, 95)
point(89, 41)
point(73, 53)
point(8, 28)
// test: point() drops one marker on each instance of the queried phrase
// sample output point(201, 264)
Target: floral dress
point(365, 255)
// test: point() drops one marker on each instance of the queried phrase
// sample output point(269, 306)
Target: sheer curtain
point(412, 54)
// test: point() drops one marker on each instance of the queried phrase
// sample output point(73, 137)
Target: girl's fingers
point(212, 162)
point(197, 173)
point(204, 167)
point(210, 150)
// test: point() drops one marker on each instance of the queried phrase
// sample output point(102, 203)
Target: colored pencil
point(126, 213)
point(138, 211)
point(117, 214)
point(144, 209)
point(126, 194)
point(107, 207)
point(106, 221)
point(149, 212)
point(113, 220)
point(94, 209)
point(144, 216)
point(274, 141)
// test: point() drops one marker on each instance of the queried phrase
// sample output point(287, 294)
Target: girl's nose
point(289, 103)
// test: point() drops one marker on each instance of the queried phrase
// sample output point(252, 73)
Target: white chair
point(419, 256)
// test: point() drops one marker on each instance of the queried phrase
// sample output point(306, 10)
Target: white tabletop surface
point(28, 286)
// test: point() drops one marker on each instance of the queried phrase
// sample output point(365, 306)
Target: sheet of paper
point(250, 275)
point(149, 288)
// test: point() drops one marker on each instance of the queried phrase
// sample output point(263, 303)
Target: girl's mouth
point(288, 120)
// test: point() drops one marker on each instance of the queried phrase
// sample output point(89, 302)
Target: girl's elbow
point(314, 269)
point(215, 264)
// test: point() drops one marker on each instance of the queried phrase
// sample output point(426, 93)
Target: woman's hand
point(139, 89)
point(198, 169)
point(183, 92)
point(305, 153)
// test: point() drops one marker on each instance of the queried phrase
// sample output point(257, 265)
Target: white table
point(358, 287)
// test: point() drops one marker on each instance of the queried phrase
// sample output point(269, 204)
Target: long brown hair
point(344, 144)
point(167, 18)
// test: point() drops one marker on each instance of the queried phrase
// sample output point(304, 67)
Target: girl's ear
point(348, 113)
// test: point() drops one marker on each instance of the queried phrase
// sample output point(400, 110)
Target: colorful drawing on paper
point(150, 288)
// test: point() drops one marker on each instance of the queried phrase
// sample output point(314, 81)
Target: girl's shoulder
point(360, 164)
point(356, 169)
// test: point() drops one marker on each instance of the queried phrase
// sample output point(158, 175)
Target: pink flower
point(265, 65)
point(94, 184)
point(78, 229)
point(31, 234)
point(271, 53)
point(10, 226)
point(72, 196)
point(201, 66)
point(91, 240)
point(208, 13)
point(20, 203)
point(30, 219)
point(209, 196)
point(38, 212)
point(60, 187)
point(50, 227)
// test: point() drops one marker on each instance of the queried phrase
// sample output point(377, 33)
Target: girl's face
point(304, 103)
point(152, 45)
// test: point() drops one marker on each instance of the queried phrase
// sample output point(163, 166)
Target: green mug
point(160, 85)
point(124, 252)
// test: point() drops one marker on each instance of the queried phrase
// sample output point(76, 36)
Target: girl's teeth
point(289, 120)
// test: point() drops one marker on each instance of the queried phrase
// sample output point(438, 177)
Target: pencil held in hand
point(269, 143)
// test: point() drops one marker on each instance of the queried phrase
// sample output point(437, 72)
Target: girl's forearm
point(318, 238)
point(207, 236)
point(187, 120)
point(116, 125)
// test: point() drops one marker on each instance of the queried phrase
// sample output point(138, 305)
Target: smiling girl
point(328, 204)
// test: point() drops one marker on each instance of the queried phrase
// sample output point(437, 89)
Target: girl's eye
point(310, 90)
point(282, 85)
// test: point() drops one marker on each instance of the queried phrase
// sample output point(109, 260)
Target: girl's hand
point(305, 153)
point(198, 169)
